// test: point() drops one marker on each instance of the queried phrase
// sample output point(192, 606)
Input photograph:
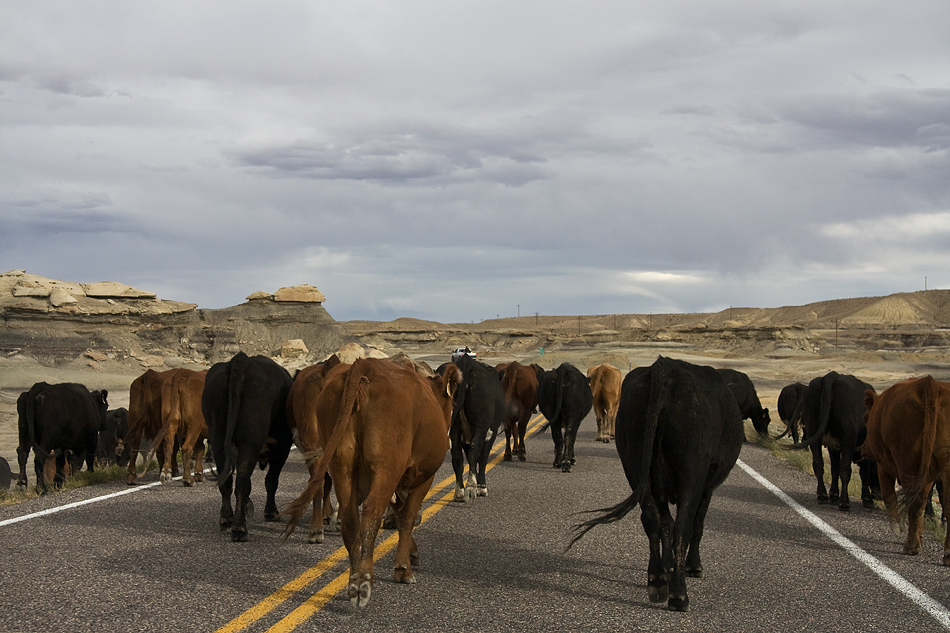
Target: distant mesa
point(304, 293)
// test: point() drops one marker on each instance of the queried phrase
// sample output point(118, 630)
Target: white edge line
point(918, 597)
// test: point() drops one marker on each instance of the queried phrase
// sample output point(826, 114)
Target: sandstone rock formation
point(57, 321)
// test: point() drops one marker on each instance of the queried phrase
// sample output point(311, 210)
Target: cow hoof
point(239, 535)
point(459, 495)
point(315, 537)
point(272, 516)
point(224, 524)
point(404, 575)
point(482, 491)
point(507, 457)
point(566, 467)
point(187, 484)
point(359, 596)
point(946, 559)
point(822, 500)
point(557, 464)
point(678, 603)
point(522, 457)
point(658, 590)
point(844, 507)
point(695, 572)
point(868, 503)
point(165, 477)
point(199, 476)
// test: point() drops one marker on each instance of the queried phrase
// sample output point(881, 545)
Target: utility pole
point(519, 309)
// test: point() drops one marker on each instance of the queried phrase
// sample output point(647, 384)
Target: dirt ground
point(769, 374)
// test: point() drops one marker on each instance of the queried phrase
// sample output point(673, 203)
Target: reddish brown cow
point(520, 384)
point(909, 438)
point(387, 430)
point(605, 385)
point(302, 416)
point(145, 417)
point(181, 416)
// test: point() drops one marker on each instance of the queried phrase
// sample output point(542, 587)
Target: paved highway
point(151, 558)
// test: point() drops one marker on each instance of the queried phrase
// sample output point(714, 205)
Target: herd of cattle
point(377, 430)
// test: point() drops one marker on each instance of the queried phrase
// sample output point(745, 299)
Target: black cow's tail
point(661, 380)
point(29, 415)
point(827, 393)
point(237, 369)
point(609, 515)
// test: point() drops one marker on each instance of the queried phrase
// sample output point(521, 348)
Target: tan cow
point(605, 385)
point(909, 438)
point(387, 431)
point(182, 417)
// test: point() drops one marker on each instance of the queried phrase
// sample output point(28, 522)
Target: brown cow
point(387, 430)
point(909, 438)
point(520, 384)
point(145, 417)
point(302, 417)
point(605, 385)
point(181, 416)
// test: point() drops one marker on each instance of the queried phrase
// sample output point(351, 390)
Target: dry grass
point(102, 474)
point(801, 459)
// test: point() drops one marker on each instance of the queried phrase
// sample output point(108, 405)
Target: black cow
point(478, 413)
point(244, 404)
point(114, 430)
point(60, 422)
point(6, 475)
point(749, 406)
point(679, 433)
point(789, 410)
point(833, 414)
point(565, 399)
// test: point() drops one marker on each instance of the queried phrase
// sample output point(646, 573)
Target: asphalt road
point(152, 559)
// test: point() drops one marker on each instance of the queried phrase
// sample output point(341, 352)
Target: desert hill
point(56, 323)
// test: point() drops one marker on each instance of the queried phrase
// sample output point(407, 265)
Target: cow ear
point(869, 397)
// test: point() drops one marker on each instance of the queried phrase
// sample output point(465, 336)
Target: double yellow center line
point(316, 602)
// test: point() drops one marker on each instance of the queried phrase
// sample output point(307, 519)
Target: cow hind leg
point(658, 577)
point(818, 466)
point(407, 554)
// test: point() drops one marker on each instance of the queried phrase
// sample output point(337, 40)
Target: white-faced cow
point(59, 422)
point(479, 412)
point(245, 404)
point(565, 399)
point(679, 433)
point(909, 438)
point(386, 430)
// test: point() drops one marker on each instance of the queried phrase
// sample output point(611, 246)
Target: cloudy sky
point(461, 160)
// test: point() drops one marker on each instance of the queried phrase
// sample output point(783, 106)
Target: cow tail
point(824, 412)
point(928, 435)
point(174, 386)
point(237, 369)
point(355, 379)
point(458, 417)
point(660, 389)
point(609, 515)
